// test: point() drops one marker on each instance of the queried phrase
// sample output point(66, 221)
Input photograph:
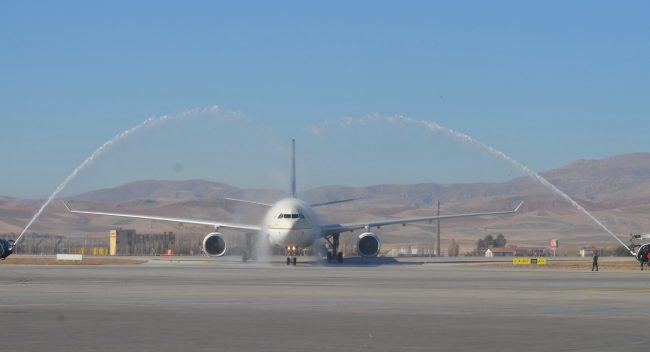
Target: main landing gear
point(291, 255)
point(334, 254)
point(248, 250)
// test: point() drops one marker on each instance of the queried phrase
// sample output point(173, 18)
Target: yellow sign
point(529, 261)
point(520, 261)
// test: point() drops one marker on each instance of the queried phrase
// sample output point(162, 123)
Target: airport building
point(411, 251)
point(500, 252)
point(588, 251)
point(128, 242)
point(533, 251)
point(516, 251)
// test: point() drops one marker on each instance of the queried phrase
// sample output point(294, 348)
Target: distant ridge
point(614, 179)
point(184, 190)
point(616, 189)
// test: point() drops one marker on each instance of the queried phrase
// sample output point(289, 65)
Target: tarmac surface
point(208, 305)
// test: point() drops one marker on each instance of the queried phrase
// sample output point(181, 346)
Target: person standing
point(594, 264)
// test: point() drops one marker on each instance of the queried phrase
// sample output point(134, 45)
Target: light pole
point(438, 237)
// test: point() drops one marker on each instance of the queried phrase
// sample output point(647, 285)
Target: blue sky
point(546, 82)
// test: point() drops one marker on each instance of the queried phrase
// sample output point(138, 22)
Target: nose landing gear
point(291, 255)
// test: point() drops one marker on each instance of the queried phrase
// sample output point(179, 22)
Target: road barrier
point(68, 257)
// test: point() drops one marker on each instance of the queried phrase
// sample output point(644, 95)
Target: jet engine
point(368, 245)
point(214, 244)
point(6, 248)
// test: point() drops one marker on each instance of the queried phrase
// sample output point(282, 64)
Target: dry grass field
point(581, 264)
point(52, 261)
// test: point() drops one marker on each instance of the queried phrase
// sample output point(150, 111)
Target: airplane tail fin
point(293, 168)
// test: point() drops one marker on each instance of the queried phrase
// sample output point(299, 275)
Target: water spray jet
point(465, 138)
point(148, 123)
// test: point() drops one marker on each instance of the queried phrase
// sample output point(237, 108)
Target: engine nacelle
point(6, 248)
point(368, 245)
point(214, 244)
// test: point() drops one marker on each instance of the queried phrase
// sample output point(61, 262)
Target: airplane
point(292, 224)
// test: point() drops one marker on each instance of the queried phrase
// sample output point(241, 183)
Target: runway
point(226, 306)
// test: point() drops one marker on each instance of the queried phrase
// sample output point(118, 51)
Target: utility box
point(112, 242)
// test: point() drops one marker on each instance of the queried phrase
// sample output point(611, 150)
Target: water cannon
point(7, 248)
point(640, 236)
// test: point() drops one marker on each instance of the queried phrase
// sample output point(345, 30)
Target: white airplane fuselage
point(291, 223)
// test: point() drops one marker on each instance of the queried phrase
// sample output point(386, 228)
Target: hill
point(616, 189)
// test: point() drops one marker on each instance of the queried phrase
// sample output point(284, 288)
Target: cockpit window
point(291, 216)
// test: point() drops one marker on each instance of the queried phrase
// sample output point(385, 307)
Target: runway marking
point(626, 290)
point(642, 290)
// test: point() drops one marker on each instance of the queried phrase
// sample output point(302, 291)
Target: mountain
point(168, 191)
point(616, 189)
point(622, 177)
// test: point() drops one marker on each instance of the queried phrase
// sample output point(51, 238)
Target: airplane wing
point(249, 201)
point(216, 224)
point(330, 229)
point(333, 202)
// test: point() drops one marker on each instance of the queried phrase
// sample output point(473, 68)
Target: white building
point(500, 252)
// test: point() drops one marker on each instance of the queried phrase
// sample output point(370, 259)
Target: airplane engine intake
point(368, 245)
point(214, 244)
